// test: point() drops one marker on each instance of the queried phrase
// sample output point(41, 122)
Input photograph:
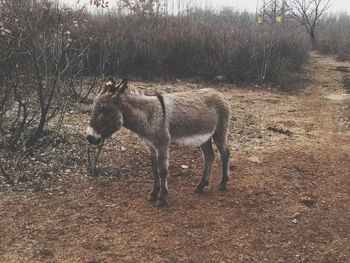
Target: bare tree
point(308, 13)
point(44, 46)
point(98, 3)
point(141, 8)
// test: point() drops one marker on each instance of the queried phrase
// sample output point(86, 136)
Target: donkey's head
point(106, 118)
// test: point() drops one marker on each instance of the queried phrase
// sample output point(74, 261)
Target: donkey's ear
point(110, 81)
point(111, 86)
point(122, 86)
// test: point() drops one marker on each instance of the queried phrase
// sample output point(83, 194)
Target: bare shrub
point(42, 50)
point(200, 43)
point(49, 54)
point(334, 35)
point(46, 50)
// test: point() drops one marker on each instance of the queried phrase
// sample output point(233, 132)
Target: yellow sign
point(278, 19)
point(260, 20)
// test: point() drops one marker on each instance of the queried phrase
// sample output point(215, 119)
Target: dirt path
point(289, 198)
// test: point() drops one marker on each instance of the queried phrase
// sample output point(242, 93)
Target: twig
point(6, 176)
point(279, 130)
point(191, 182)
point(89, 91)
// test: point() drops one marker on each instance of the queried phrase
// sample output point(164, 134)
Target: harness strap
point(161, 100)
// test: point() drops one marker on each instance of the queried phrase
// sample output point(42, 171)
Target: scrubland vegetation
point(334, 35)
point(199, 43)
point(52, 57)
point(287, 84)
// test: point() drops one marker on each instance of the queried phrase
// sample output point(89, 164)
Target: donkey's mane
point(140, 91)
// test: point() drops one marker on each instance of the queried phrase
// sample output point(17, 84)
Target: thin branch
point(7, 177)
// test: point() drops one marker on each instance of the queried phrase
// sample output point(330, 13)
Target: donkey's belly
point(193, 140)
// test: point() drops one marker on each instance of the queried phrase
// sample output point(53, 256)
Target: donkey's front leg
point(163, 156)
point(156, 185)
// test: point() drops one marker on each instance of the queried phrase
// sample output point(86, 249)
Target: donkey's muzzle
point(93, 140)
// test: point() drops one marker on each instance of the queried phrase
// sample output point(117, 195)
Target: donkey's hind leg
point(208, 158)
point(156, 185)
point(221, 142)
point(163, 156)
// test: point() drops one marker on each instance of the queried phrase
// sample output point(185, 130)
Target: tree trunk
point(313, 38)
point(37, 133)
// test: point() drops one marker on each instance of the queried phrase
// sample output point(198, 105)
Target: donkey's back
point(193, 117)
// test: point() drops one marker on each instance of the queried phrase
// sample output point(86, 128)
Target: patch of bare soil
point(288, 200)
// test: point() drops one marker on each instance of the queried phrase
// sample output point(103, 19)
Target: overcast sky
point(249, 5)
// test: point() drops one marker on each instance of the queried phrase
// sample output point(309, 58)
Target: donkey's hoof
point(198, 190)
point(152, 197)
point(200, 187)
point(222, 188)
point(162, 201)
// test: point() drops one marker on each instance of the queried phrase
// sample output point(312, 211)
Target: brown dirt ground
point(288, 200)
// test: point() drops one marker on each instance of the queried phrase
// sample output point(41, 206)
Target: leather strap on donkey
point(161, 100)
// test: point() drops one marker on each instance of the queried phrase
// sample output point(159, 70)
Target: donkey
point(192, 118)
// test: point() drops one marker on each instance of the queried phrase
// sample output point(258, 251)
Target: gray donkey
point(190, 118)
